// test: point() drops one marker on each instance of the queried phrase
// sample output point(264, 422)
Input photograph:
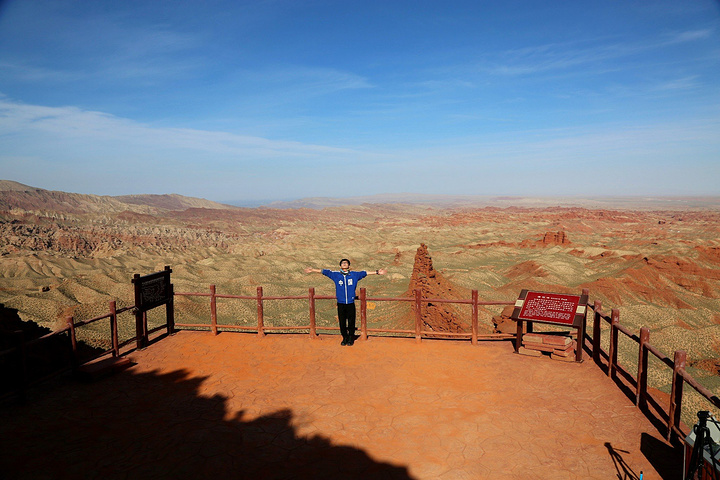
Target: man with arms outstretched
point(345, 282)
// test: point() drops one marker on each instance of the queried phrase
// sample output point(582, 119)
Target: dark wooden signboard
point(551, 308)
point(152, 290)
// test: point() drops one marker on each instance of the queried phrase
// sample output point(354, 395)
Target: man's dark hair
point(344, 260)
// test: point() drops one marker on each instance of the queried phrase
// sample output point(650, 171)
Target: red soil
point(526, 269)
point(656, 279)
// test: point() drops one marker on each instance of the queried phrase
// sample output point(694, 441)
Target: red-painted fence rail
point(23, 349)
point(671, 414)
point(417, 303)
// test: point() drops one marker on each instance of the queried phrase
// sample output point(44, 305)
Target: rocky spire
point(441, 317)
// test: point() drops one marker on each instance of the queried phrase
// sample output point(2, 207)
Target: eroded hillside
point(661, 268)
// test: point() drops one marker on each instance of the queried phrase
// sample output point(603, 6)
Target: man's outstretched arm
point(382, 271)
point(313, 270)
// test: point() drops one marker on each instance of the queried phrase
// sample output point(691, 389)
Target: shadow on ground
point(40, 360)
point(151, 425)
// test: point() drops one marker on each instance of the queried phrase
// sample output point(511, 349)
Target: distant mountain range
point(459, 201)
point(20, 196)
point(17, 195)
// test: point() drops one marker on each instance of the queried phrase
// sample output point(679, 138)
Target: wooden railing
point(20, 355)
point(417, 300)
point(639, 381)
point(671, 416)
point(21, 351)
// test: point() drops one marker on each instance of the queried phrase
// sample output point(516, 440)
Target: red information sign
point(550, 308)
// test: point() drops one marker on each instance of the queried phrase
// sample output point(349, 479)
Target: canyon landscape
point(657, 261)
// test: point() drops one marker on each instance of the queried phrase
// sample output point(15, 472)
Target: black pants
point(346, 317)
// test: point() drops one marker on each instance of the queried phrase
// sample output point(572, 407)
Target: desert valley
point(657, 261)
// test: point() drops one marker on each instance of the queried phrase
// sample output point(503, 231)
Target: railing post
point(597, 309)
point(612, 353)
point(22, 373)
point(213, 310)
point(73, 343)
point(474, 338)
point(146, 335)
point(676, 393)
point(311, 300)
point(581, 342)
point(261, 320)
point(114, 329)
point(170, 311)
point(641, 393)
point(140, 318)
point(363, 314)
point(418, 315)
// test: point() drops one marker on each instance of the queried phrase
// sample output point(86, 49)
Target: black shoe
point(351, 340)
point(344, 341)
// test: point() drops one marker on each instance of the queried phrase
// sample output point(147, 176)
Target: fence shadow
point(157, 425)
point(41, 359)
point(666, 459)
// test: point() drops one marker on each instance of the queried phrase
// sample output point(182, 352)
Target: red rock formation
point(549, 239)
point(440, 317)
point(658, 279)
point(504, 323)
point(526, 269)
point(555, 238)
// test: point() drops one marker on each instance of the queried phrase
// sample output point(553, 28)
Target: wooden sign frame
point(553, 309)
point(152, 291)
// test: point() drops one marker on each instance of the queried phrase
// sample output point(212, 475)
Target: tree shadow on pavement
point(157, 425)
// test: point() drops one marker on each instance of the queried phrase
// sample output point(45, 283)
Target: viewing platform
point(238, 405)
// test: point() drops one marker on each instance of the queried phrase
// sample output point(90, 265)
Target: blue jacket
point(345, 284)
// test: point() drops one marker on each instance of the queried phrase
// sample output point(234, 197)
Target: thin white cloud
point(310, 80)
point(566, 55)
point(690, 36)
point(101, 153)
point(683, 83)
point(66, 124)
point(30, 73)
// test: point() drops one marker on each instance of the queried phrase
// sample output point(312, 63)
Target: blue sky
point(263, 100)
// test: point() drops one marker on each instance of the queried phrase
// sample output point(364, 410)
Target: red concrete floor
point(285, 406)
